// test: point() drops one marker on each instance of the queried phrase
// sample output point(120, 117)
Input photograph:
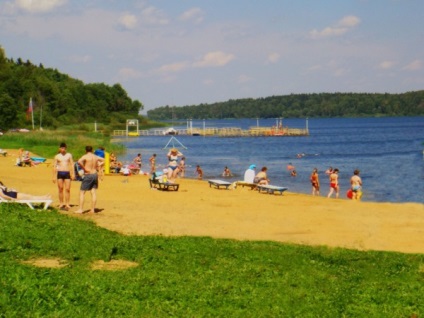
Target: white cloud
point(208, 82)
point(243, 79)
point(273, 57)
point(315, 68)
point(413, 66)
point(128, 21)
point(194, 14)
point(385, 65)
point(342, 26)
point(174, 67)
point(80, 59)
point(349, 21)
point(153, 16)
point(339, 72)
point(212, 59)
point(35, 6)
point(126, 74)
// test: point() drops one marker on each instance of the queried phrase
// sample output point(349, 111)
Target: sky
point(188, 52)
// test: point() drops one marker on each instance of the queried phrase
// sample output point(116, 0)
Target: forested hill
point(60, 98)
point(301, 105)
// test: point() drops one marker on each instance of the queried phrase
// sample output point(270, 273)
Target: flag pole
point(41, 116)
point(32, 112)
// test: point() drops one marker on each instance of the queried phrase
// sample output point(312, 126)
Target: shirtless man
point(90, 163)
point(334, 183)
point(63, 173)
point(356, 185)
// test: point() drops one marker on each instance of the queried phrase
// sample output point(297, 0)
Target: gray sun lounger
point(271, 189)
point(219, 183)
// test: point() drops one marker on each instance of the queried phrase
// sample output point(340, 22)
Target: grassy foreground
point(192, 277)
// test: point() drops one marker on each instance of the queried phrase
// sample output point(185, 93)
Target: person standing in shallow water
point(315, 182)
point(90, 163)
point(199, 172)
point(334, 183)
point(63, 174)
point(152, 161)
point(356, 185)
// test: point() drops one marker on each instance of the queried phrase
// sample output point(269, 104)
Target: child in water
point(199, 172)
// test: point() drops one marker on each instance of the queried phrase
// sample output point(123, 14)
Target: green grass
point(46, 143)
point(193, 276)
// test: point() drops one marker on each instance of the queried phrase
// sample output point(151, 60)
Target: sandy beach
point(127, 205)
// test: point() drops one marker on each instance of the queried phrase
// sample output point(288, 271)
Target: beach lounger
point(271, 189)
point(31, 203)
point(219, 183)
point(165, 186)
point(246, 184)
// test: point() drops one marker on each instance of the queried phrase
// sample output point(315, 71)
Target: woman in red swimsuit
point(334, 183)
point(315, 182)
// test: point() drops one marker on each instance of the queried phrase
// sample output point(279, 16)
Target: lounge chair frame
point(165, 186)
point(243, 184)
point(30, 203)
point(219, 183)
point(271, 189)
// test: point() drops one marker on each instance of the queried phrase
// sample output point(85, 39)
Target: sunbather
point(26, 159)
point(249, 174)
point(12, 194)
point(261, 178)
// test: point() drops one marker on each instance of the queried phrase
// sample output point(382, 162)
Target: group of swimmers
point(355, 183)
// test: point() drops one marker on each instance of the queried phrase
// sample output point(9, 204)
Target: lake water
point(387, 151)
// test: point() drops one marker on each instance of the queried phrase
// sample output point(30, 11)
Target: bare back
point(90, 163)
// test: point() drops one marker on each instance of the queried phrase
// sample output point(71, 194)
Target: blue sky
point(187, 52)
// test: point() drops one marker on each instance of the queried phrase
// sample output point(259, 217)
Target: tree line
point(60, 99)
point(301, 106)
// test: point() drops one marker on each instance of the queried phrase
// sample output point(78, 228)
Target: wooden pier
point(221, 132)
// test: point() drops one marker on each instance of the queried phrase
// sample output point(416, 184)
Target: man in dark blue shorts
point(63, 173)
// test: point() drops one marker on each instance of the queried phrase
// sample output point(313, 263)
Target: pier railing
point(224, 132)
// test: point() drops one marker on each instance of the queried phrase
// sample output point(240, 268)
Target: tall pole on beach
point(41, 115)
point(32, 112)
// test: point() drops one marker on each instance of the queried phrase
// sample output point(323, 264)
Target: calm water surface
point(387, 151)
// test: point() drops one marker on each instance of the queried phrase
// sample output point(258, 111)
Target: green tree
point(8, 111)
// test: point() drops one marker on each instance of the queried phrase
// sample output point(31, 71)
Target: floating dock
point(220, 132)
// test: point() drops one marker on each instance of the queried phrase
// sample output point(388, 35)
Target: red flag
point(30, 108)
